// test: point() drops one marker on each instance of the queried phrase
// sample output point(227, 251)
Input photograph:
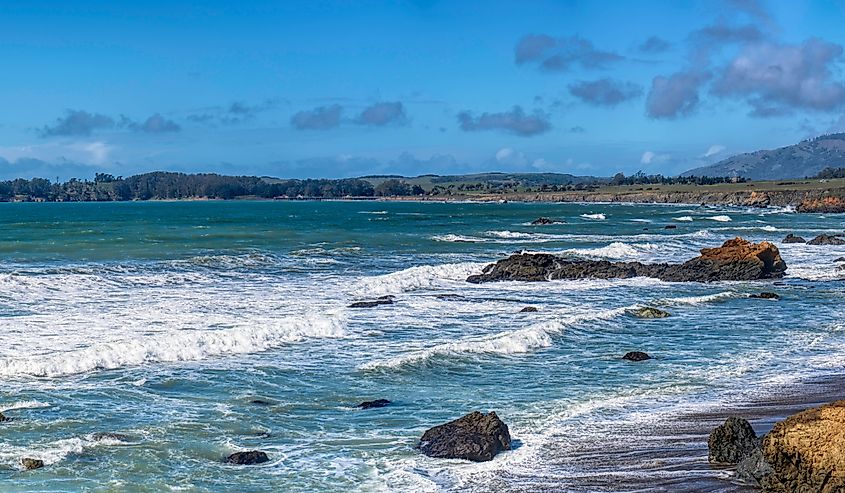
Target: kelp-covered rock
point(30, 464)
point(477, 437)
point(735, 260)
point(649, 312)
point(807, 451)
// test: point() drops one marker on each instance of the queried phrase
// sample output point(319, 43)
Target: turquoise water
point(162, 322)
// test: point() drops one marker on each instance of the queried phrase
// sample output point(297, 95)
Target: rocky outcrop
point(649, 312)
point(30, 464)
point(3, 418)
point(735, 260)
point(753, 468)
point(373, 404)
point(791, 238)
point(636, 356)
point(765, 295)
point(826, 240)
point(731, 442)
point(248, 458)
point(381, 300)
point(529, 309)
point(807, 451)
point(476, 437)
point(758, 199)
point(541, 221)
point(830, 204)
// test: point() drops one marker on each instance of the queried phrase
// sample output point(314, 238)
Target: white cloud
point(713, 150)
point(510, 157)
point(650, 157)
point(95, 153)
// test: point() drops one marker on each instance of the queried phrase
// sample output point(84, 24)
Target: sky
point(341, 88)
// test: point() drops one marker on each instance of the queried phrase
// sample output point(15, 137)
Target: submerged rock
point(807, 451)
point(649, 312)
point(476, 437)
point(381, 300)
point(260, 402)
point(791, 238)
point(826, 240)
point(765, 295)
point(528, 309)
point(840, 259)
point(735, 260)
point(545, 220)
point(373, 404)
point(636, 356)
point(732, 441)
point(248, 458)
point(670, 226)
point(109, 436)
point(30, 464)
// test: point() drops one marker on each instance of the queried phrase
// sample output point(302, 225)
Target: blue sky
point(335, 89)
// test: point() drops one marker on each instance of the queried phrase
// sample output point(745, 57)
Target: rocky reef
point(735, 260)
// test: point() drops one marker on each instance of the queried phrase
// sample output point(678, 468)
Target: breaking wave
point(721, 219)
point(598, 217)
point(413, 278)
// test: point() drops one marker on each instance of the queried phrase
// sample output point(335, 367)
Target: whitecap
point(616, 249)
point(23, 405)
point(457, 238)
point(683, 218)
point(598, 217)
point(420, 277)
point(698, 300)
point(721, 219)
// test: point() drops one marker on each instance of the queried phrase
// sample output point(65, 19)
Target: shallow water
point(164, 321)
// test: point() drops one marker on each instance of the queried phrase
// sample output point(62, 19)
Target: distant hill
point(804, 159)
point(524, 180)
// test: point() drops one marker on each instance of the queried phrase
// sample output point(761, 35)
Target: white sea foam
point(616, 250)
point(189, 345)
point(420, 277)
point(721, 219)
point(23, 405)
point(599, 217)
point(639, 220)
point(519, 341)
point(511, 234)
point(54, 452)
point(699, 300)
point(683, 218)
point(457, 238)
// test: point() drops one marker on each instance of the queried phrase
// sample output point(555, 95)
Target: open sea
point(134, 338)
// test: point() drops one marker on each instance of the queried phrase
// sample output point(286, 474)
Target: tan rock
point(807, 452)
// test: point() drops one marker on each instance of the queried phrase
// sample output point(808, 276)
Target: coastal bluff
point(736, 260)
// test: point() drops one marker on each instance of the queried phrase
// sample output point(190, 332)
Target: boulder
point(476, 437)
point(636, 356)
point(765, 295)
point(545, 220)
point(381, 300)
point(791, 238)
point(735, 260)
point(825, 204)
point(807, 451)
point(3, 418)
point(648, 312)
point(248, 458)
point(840, 259)
point(731, 442)
point(30, 464)
point(826, 240)
point(373, 404)
point(670, 226)
point(528, 309)
point(753, 469)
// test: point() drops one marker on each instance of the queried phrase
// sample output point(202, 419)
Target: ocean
point(144, 342)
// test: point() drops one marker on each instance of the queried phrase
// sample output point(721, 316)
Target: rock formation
point(476, 437)
point(373, 404)
point(731, 442)
point(381, 300)
point(791, 238)
point(248, 458)
point(649, 312)
point(30, 464)
point(830, 204)
point(735, 260)
point(765, 295)
point(636, 356)
point(540, 221)
point(826, 240)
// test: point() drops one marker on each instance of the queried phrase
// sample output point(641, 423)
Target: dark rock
point(528, 309)
point(476, 437)
point(30, 464)
point(826, 240)
point(753, 468)
point(3, 418)
point(791, 238)
point(840, 259)
point(670, 226)
point(735, 260)
point(636, 356)
point(765, 295)
point(732, 441)
point(260, 402)
point(381, 300)
point(545, 220)
point(248, 458)
point(449, 297)
point(374, 404)
point(102, 435)
point(648, 312)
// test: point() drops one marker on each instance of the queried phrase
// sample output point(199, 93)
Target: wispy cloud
point(561, 54)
